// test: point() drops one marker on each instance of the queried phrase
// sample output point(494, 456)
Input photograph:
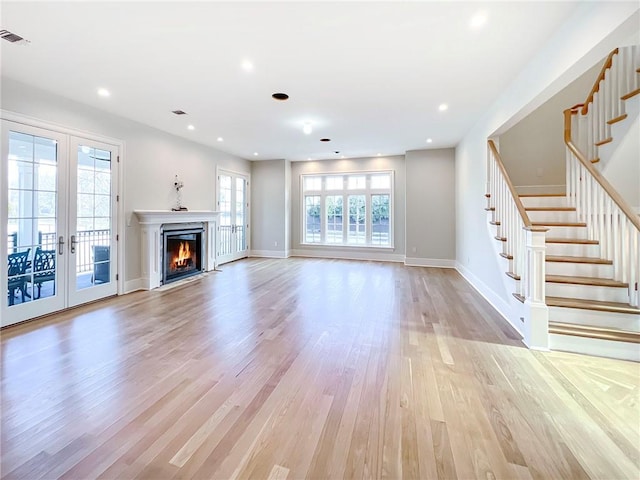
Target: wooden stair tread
point(595, 160)
point(568, 259)
point(495, 223)
point(600, 333)
point(630, 94)
point(595, 281)
point(617, 119)
point(604, 142)
point(559, 224)
point(542, 195)
point(490, 209)
point(513, 275)
point(581, 241)
point(507, 256)
point(500, 239)
point(550, 209)
point(583, 304)
point(518, 297)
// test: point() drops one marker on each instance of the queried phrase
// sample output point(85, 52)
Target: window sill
point(347, 246)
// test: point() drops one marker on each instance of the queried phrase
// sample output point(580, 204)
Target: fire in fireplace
point(182, 252)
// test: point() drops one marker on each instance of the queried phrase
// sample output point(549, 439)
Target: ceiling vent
point(12, 37)
point(179, 112)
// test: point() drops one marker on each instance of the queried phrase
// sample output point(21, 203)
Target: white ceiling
point(368, 75)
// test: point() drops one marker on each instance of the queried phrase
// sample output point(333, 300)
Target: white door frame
point(247, 177)
point(30, 122)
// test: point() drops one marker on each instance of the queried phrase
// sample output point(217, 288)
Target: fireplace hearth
point(182, 251)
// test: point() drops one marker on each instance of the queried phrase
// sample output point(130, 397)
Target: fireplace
point(182, 251)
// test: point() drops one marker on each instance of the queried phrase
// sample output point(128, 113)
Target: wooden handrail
point(619, 201)
point(514, 194)
point(596, 85)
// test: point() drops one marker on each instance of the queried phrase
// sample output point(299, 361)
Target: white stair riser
point(595, 318)
point(573, 250)
point(595, 347)
point(567, 232)
point(579, 269)
point(544, 201)
point(587, 292)
point(552, 216)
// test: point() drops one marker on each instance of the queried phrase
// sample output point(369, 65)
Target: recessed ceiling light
point(247, 66)
point(307, 128)
point(179, 112)
point(191, 127)
point(255, 154)
point(429, 140)
point(325, 139)
point(280, 96)
point(103, 92)
point(379, 154)
point(342, 156)
point(220, 139)
point(478, 20)
point(308, 158)
point(443, 107)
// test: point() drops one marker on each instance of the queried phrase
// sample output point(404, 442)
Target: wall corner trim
point(134, 285)
point(498, 304)
point(429, 262)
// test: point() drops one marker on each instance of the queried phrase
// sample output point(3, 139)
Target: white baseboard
point(538, 189)
point(355, 255)
point(134, 285)
point(499, 305)
point(429, 262)
point(269, 253)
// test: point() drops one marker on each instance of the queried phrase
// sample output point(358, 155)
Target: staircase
point(572, 261)
point(589, 311)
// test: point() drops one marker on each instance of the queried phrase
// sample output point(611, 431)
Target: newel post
point(536, 312)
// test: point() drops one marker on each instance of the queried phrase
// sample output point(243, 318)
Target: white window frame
point(323, 193)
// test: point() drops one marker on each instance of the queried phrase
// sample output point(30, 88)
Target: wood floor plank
point(307, 368)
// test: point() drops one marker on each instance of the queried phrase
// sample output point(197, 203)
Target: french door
point(233, 204)
point(58, 225)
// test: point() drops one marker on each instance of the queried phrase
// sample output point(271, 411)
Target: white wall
point(430, 207)
point(395, 163)
point(588, 35)
point(622, 169)
point(150, 160)
point(533, 150)
point(269, 236)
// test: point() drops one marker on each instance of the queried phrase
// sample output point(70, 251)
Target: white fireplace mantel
point(152, 221)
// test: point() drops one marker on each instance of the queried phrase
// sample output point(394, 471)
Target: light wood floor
point(305, 368)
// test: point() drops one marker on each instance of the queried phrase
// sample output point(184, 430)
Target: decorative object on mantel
point(178, 184)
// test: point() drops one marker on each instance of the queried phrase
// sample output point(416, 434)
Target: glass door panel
point(232, 204)
point(34, 282)
point(92, 239)
point(240, 197)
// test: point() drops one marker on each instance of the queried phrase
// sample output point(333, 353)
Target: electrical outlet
point(413, 250)
point(275, 244)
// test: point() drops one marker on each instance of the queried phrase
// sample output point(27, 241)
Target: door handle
point(60, 245)
point(73, 244)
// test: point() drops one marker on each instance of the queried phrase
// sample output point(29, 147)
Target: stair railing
point(523, 242)
point(605, 102)
point(609, 218)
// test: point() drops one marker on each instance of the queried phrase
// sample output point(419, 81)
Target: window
point(333, 209)
point(348, 209)
point(312, 223)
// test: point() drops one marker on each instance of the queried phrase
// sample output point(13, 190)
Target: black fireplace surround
point(182, 251)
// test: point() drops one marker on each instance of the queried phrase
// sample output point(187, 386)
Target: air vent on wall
point(179, 112)
point(12, 37)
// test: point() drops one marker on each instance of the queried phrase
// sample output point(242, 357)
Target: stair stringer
point(516, 314)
